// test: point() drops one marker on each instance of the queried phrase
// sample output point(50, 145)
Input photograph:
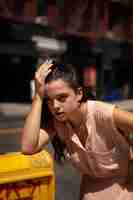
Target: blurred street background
point(95, 36)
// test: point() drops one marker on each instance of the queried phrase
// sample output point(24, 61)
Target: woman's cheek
point(73, 106)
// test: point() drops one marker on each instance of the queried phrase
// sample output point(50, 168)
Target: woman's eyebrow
point(62, 94)
point(57, 96)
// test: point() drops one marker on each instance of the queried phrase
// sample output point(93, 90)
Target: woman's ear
point(79, 94)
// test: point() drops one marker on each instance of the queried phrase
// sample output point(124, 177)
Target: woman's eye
point(62, 98)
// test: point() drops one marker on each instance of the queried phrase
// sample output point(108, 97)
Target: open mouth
point(59, 114)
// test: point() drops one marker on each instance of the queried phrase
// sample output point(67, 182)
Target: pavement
point(12, 118)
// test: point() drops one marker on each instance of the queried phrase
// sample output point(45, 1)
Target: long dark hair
point(72, 75)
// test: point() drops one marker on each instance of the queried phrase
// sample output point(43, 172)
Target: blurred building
point(18, 53)
point(80, 23)
point(94, 16)
point(18, 8)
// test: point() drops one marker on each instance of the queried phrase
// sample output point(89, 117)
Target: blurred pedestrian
point(90, 82)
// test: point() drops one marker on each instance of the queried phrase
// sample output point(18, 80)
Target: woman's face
point(62, 100)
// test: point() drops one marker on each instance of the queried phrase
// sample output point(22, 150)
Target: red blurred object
point(89, 75)
point(53, 15)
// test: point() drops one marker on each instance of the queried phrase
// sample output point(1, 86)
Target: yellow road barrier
point(27, 177)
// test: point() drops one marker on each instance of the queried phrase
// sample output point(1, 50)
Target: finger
point(47, 73)
point(41, 77)
point(41, 67)
point(44, 68)
point(38, 78)
point(44, 71)
point(40, 71)
point(44, 64)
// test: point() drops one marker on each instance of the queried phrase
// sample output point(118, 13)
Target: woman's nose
point(56, 104)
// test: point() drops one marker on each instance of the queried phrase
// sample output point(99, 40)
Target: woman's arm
point(123, 121)
point(32, 136)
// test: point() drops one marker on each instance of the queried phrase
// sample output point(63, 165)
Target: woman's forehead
point(57, 86)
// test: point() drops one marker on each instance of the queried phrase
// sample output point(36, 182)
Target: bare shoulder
point(123, 119)
point(121, 114)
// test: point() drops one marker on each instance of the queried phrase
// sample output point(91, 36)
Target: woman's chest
point(89, 136)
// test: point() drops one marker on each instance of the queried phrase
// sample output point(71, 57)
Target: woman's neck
point(78, 117)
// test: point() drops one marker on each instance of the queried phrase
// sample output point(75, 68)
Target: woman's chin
point(60, 118)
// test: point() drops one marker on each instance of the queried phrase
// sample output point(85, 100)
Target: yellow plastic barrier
point(27, 177)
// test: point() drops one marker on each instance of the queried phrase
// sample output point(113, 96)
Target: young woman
point(95, 134)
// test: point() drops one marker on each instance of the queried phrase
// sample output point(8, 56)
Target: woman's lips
point(59, 114)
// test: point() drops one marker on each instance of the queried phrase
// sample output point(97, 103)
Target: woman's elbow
point(26, 146)
point(28, 149)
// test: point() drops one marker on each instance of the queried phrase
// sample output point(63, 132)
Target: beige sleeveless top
point(106, 152)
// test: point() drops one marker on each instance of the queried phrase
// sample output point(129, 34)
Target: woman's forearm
point(31, 130)
point(32, 136)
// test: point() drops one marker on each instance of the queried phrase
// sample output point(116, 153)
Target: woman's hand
point(40, 77)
